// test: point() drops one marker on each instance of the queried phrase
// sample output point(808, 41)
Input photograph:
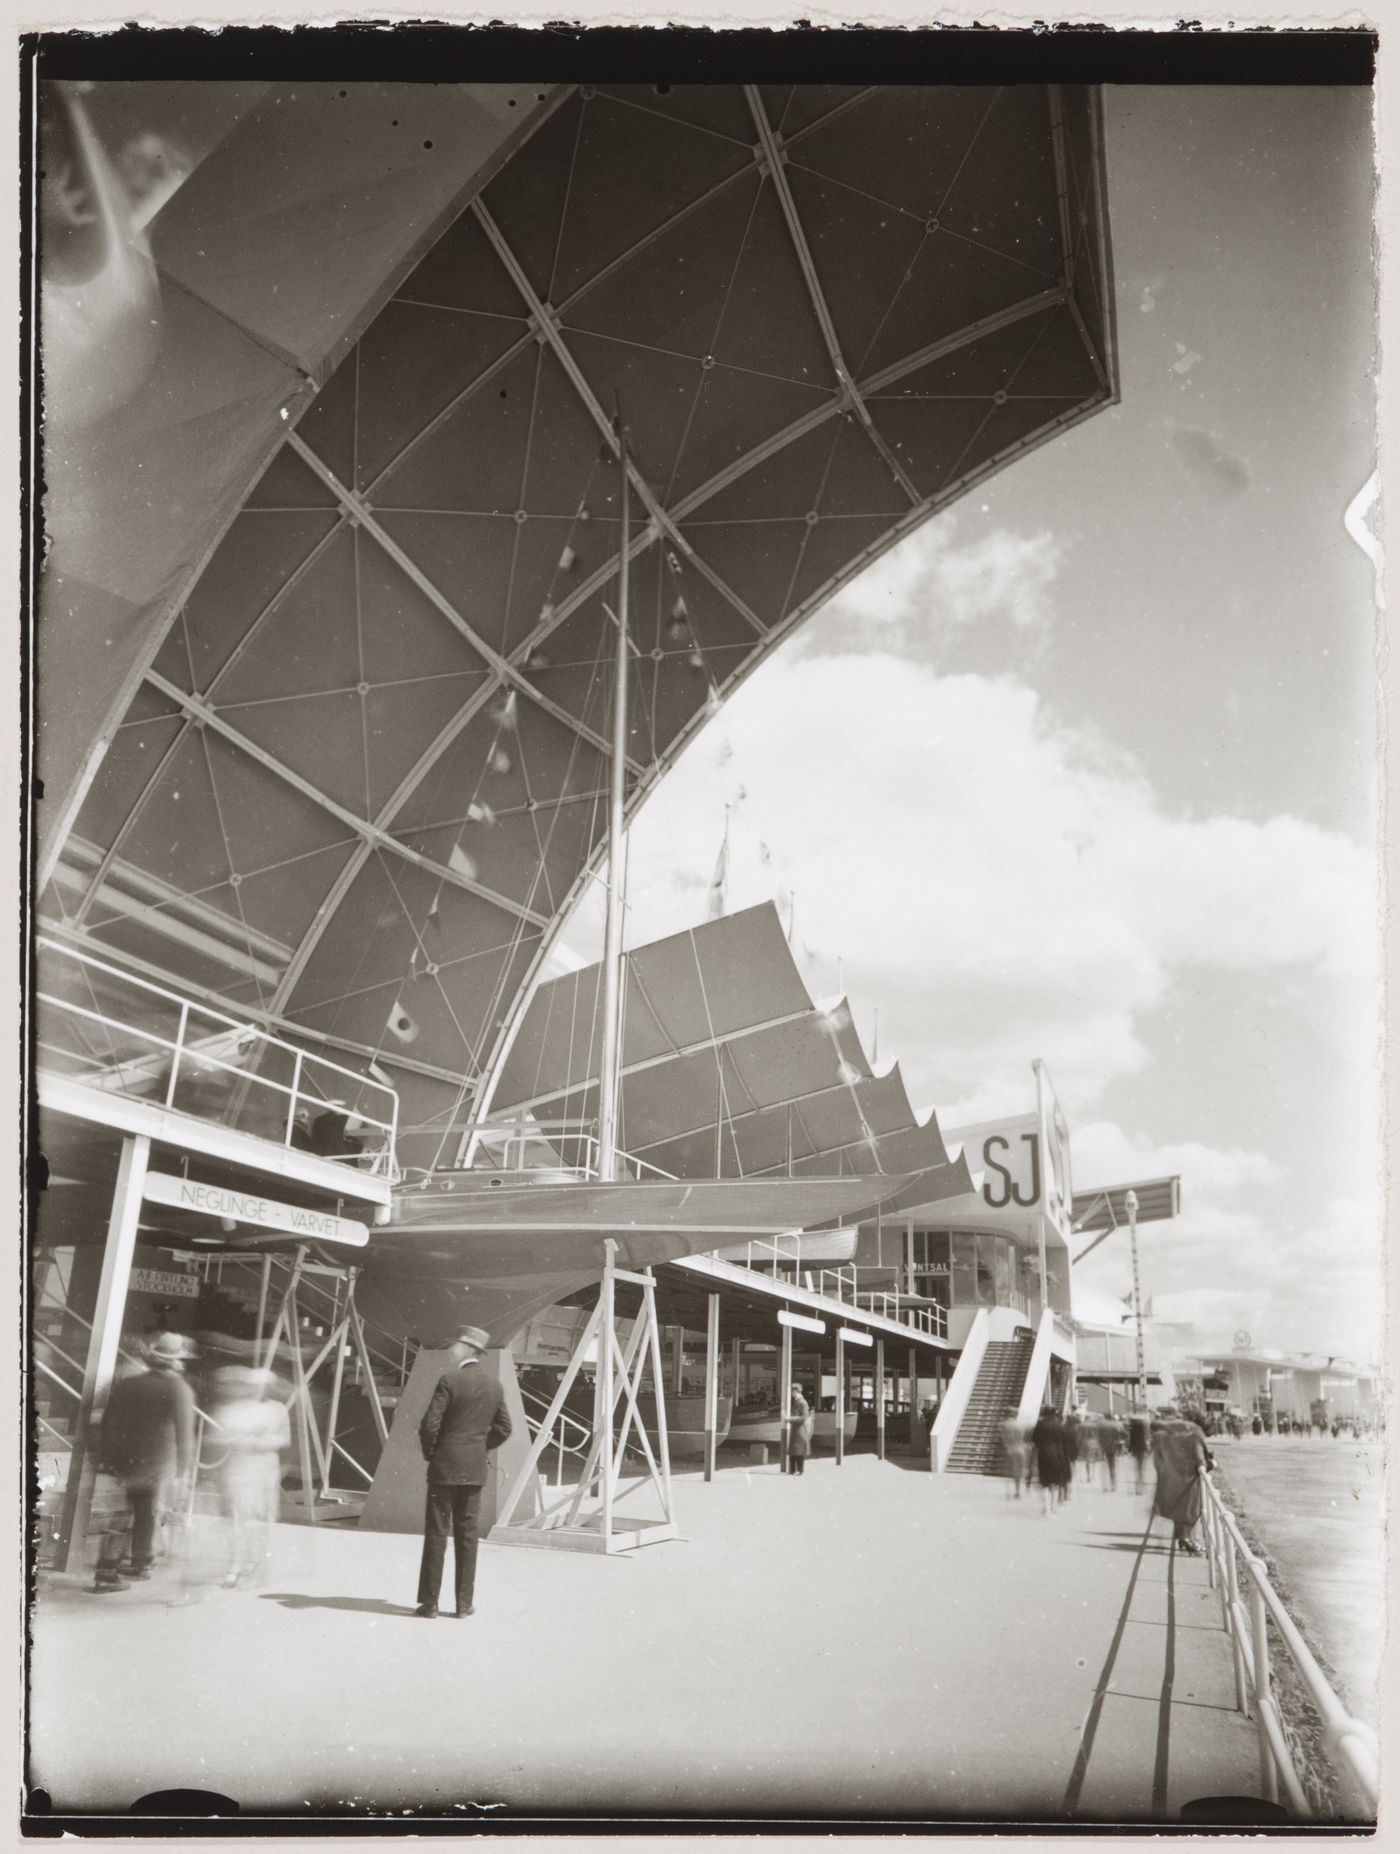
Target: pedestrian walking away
point(1014, 1451)
point(1053, 1460)
point(1111, 1437)
point(146, 1440)
point(1179, 1452)
point(253, 1430)
point(1139, 1442)
point(465, 1420)
point(799, 1432)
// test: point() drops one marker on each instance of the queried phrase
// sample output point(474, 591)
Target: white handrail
point(247, 1033)
point(1351, 1746)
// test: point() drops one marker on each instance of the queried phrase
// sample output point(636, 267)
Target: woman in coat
point(1179, 1451)
point(799, 1432)
point(1053, 1459)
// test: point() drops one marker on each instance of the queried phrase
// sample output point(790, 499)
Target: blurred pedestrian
point(466, 1418)
point(1139, 1442)
point(1179, 1452)
point(799, 1432)
point(1086, 1440)
point(146, 1440)
point(1111, 1437)
point(252, 1430)
point(1014, 1450)
point(1073, 1432)
point(1053, 1460)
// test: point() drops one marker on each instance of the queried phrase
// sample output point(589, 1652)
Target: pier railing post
point(785, 1399)
point(1259, 1628)
point(1233, 1619)
point(711, 1385)
point(840, 1398)
point(880, 1399)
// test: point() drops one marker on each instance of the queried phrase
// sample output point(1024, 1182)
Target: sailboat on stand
point(496, 1247)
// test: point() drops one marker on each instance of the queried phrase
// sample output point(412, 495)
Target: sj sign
point(1007, 1153)
point(251, 1207)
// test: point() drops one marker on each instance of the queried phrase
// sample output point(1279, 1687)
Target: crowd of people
point(1050, 1452)
point(185, 1485)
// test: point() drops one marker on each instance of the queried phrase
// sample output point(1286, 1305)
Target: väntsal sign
point(250, 1207)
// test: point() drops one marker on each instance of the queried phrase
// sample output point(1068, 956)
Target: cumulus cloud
point(937, 580)
point(1104, 1154)
point(1008, 884)
point(1239, 1258)
point(1001, 886)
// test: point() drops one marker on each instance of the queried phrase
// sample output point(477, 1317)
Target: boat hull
point(685, 1423)
point(767, 1426)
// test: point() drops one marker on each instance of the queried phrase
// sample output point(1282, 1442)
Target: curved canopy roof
point(356, 771)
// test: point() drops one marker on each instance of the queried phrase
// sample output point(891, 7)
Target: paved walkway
point(863, 1642)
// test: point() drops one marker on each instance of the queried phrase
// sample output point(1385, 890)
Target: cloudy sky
point(1086, 769)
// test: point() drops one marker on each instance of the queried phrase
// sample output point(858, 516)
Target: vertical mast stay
point(612, 936)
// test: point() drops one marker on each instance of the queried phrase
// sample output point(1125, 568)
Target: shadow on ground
point(374, 1606)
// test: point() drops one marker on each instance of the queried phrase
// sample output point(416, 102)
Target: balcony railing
point(117, 1034)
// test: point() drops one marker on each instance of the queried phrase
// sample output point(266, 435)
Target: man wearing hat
point(466, 1418)
point(147, 1442)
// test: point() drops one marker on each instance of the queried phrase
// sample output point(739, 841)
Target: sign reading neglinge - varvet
point(251, 1207)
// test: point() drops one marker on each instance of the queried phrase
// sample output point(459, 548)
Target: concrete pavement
point(862, 1642)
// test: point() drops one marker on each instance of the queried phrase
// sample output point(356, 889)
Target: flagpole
point(612, 932)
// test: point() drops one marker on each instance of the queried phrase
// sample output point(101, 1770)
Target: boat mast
point(612, 935)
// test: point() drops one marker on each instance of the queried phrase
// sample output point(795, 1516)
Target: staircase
point(1000, 1380)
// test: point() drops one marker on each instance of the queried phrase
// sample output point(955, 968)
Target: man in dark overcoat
point(147, 1441)
point(466, 1418)
point(1180, 1452)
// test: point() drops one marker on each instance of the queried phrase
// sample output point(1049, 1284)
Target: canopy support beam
point(850, 392)
point(371, 834)
point(546, 320)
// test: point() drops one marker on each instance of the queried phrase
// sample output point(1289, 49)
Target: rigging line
point(434, 976)
point(840, 423)
point(1091, 1723)
point(1162, 1765)
point(723, 1112)
point(714, 337)
point(507, 961)
point(594, 1038)
point(624, 986)
point(233, 870)
point(992, 406)
point(568, 195)
point(899, 288)
point(360, 656)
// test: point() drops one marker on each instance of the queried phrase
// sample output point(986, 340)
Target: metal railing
point(120, 1034)
point(540, 1405)
point(1250, 1603)
point(843, 1284)
point(544, 1145)
point(894, 1306)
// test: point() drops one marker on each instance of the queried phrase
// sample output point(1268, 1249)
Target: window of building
point(964, 1269)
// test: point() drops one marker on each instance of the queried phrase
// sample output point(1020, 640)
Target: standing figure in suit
point(466, 1418)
